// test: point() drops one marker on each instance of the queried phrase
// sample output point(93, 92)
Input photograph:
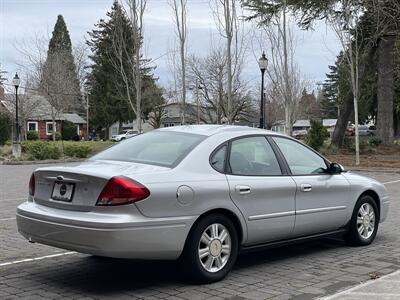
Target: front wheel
point(364, 222)
point(211, 249)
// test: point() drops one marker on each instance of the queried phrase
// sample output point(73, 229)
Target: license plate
point(63, 191)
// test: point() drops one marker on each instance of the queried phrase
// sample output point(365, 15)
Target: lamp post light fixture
point(263, 64)
point(17, 142)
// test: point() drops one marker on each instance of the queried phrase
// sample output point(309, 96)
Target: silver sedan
point(199, 194)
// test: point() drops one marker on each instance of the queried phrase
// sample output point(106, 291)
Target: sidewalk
point(386, 287)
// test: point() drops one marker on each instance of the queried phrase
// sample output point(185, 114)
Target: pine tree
point(59, 81)
point(108, 93)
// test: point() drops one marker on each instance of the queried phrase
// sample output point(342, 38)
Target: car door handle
point(243, 189)
point(306, 187)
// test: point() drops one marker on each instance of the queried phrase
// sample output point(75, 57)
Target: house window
point(32, 126)
point(49, 128)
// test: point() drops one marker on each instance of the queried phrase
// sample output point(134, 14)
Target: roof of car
point(210, 130)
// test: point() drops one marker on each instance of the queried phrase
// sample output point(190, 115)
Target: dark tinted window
point(218, 159)
point(156, 147)
point(253, 156)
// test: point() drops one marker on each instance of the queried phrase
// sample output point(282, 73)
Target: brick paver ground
point(306, 271)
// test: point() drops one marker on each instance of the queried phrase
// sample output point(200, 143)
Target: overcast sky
point(22, 19)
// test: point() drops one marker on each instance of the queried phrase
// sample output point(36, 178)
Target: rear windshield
point(155, 148)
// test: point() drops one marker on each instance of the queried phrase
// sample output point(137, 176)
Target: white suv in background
point(126, 135)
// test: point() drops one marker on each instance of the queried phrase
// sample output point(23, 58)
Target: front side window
point(301, 160)
point(155, 148)
point(253, 156)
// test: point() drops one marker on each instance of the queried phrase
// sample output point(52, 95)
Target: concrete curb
point(355, 289)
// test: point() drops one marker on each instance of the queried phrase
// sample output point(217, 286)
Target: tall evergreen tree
point(59, 81)
point(109, 93)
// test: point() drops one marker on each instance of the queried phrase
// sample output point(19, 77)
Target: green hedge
point(32, 135)
point(77, 150)
point(37, 150)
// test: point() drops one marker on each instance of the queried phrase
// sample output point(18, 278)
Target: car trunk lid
point(78, 186)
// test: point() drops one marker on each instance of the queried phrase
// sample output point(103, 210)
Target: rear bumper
point(140, 238)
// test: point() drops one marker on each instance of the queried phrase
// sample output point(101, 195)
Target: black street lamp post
point(17, 143)
point(263, 64)
point(16, 81)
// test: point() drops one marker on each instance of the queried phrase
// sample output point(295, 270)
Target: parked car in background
point(299, 134)
point(365, 130)
point(200, 195)
point(350, 130)
point(126, 135)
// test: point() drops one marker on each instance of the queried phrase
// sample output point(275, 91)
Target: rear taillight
point(32, 185)
point(122, 190)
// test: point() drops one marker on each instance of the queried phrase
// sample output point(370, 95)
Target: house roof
point(302, 123)
point(329, 122)
point(39, 109)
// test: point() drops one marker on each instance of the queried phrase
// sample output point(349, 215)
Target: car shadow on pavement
point(105, 276)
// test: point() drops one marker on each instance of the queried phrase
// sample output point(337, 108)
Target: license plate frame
point(63, 191)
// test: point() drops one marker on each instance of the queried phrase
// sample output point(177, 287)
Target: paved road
point(306, 271)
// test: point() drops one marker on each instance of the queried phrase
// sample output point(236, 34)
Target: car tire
point(364, 222)
point(214, 237)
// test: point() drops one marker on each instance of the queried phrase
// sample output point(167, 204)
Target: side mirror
point(335, 168)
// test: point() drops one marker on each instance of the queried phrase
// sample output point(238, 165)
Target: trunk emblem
point(59, 177)
point(63, 190)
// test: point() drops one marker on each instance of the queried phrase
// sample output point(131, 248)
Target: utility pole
point(87, 116)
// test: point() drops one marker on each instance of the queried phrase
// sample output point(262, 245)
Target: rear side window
point(218, 159)
point(156, 148)
point(253, 156)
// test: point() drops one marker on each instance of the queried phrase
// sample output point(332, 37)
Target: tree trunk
point(348, 104)
point(341, 125)
point(386, 88)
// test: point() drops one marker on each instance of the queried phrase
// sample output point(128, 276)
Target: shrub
point(351, 144)
point(38, 150)
point(57, 135)
point(5, 128)
point(316, 135)
point(68, 131)
point(77, 150)
point(32, 135)
point(374, 141)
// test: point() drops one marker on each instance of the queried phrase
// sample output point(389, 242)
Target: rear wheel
point(211, 249)
point(364, 222)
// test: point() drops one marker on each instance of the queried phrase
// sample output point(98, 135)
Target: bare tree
point(225, 15)
point(346, 29)
point(211, 74)
point(287, 82)
point(179, 8)
point(136, 13)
